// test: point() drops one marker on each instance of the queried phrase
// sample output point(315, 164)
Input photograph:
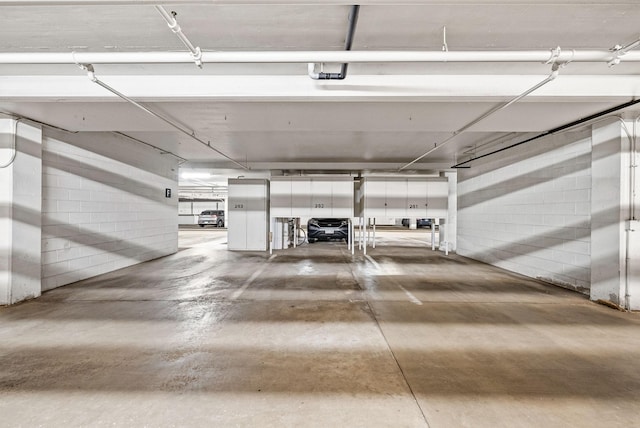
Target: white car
point(211, 217)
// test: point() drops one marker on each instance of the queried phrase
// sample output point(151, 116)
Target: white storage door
point(301, 197)
point(321, 198)
point(437, 199)
point(248, 212)
point(342, 198)
point(375, 198)
point(281, 198)
point(236, 223)
point(417, 198)
point(396, 198)
point(256, 216)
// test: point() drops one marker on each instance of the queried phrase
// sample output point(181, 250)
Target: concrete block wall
point(528, 210)
point(20, 200)
point(104, 205)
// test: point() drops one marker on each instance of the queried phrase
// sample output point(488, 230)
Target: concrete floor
point(317, 337)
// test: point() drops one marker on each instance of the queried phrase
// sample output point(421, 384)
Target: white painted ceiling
point(273, 116)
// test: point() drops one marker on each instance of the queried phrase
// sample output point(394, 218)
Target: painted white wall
point(6, 212)
point(104, 205)
point(528, 210)
point(20, 201)
point(608, 212)
point(615, 275)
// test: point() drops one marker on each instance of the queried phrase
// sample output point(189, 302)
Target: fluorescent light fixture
point(191, 175)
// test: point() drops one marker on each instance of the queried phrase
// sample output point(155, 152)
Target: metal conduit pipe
point(632, 211)
point(351, 30)
point(14, 145)
point(91, 74)
point(554, 130)
point(634, 166)
point(170, 18)
point(539, 56)
point(554, 73)
point(161, 150)
point(627, 231)
point(633, 136)
point(622, 50)
point(18, 118)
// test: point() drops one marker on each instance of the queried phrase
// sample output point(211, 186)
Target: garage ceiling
point(273, 116)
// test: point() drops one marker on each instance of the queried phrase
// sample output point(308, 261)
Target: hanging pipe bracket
point(85, 67)
point(555, 54)
point(91, 73)
point(619, 51)
point(173, 25)
point(554, 59)
point(445, 47)
point(197, 57)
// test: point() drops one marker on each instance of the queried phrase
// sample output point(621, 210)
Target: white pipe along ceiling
point(554, 73)
point(191, 134)
point(535, 56)
point(242, 86)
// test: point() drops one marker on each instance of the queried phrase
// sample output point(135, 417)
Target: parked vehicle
point(420, 222)
point(327, 229)
point(211, 217)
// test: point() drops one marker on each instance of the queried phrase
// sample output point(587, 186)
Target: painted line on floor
point(427, 243)
point(391, 267)
point(373, 262)
point(410, 295)
point(252, 278)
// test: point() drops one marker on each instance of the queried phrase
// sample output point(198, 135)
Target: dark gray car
point(326, 229)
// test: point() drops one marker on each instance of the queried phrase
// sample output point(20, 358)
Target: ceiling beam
point(346, 167)
point(260, 88)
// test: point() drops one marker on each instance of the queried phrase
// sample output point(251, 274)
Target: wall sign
point(167, 193)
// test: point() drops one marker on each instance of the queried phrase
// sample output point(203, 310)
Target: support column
point(452, 211)
point(20, 211)
point(443, 245)
point(615, 254)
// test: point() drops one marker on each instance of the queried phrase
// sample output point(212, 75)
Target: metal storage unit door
point(248, 223)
